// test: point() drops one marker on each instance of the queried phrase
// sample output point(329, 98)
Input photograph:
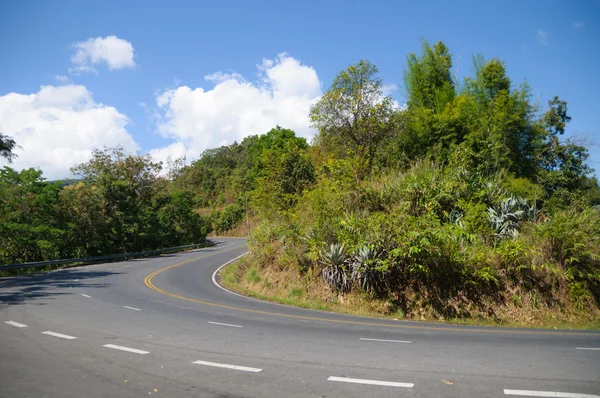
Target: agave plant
point(336, 271)
point(505, 220)
point(365, 272)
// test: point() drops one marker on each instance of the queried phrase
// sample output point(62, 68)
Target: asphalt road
point(162, 327)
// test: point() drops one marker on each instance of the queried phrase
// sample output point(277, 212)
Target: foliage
point(463, 204)
point(353, 113)
point(7, 147)
point(119, 205)
point(506, 218)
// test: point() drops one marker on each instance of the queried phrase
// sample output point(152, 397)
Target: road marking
point(226, 366)
point(371, 382)
point(386, 341)
point(552, 394)
point(368, 322)
point(59, 335)
point(131, 308)
point(226, 324)
point(120, 347)
point(587, 348)
point(15, 324)
point(85, 295)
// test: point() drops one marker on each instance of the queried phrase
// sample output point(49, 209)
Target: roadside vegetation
point(119, 205)
point(467, 204)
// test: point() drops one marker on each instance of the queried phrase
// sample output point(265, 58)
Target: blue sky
point(161, 101)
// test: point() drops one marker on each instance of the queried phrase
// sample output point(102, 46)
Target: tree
point(354, 114)
point(29, 227)
point(7, 147)
point(563, 171)
point(428, 80)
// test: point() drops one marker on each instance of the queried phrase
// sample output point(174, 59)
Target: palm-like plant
point(336, 270)
point(365, 272)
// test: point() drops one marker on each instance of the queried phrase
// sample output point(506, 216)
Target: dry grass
point(286, 286)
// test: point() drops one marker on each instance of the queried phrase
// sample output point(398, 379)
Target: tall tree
point(354, 113)
point(428, 79)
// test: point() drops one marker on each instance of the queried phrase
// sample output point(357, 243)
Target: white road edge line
point(386, 341)
point(59, 335)
point(214, 276)
point(552, 394)
point(226, 366)
point(226, 324)
point(120, 347)
point(85, 295)
point(371, 382)
point(587, 348)
point(15, 324)
point(131, 308)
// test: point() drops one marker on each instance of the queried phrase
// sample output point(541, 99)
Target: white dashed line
point(15, 324)
point(371, 382)
point(551, 394)
point(226, 324)
point(587, 348)
point(386, 341)
point(59, 335)
point(120, 347)
point(85, 295)
point(131, 308)
point(226, 366)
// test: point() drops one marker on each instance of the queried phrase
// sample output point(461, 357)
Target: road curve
point(161, 326)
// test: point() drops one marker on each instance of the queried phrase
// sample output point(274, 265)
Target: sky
point(175, 78)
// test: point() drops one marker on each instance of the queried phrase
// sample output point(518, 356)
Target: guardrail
point(39, 264)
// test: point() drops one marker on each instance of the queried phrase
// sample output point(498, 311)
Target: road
point(161, 326)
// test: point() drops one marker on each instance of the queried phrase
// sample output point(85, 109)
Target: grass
point(283, 287)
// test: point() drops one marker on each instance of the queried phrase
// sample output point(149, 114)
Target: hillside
point(465, 205)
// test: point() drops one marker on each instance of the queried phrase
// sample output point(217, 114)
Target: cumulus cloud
point(235, 108)
point(389, 89)
point(542, 36)
point(59, 126)
point(116, 53)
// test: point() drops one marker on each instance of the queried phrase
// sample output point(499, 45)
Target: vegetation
point(467, 204)
point(119, 205)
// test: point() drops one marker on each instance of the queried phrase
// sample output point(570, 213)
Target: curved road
point(161, 326)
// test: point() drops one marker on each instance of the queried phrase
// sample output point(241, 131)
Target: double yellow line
point(148, 282)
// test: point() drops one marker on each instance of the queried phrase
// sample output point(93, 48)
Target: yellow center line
point(148, 282)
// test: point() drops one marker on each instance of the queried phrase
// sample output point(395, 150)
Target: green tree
point(428, 79)
point(7, 147)
point(353, 115)
point(29, 226)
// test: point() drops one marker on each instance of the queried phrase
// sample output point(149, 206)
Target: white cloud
point(578, 24)
point(542, 36)
point(59, 126)
point(388, 89)
point(117, 53)
point(61, 78)
point(234, 108)
point(174, 151)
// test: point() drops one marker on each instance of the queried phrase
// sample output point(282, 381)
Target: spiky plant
point(336, 270)
point(365, 272)
point(506, 218)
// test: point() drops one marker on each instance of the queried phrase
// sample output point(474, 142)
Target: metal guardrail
point(39, 264)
